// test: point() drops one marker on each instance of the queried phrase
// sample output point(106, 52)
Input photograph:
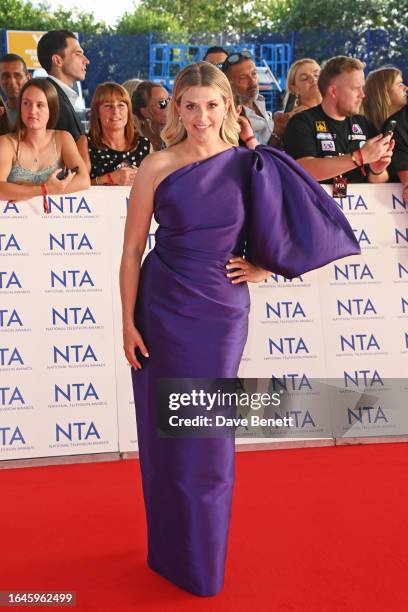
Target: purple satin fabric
point(194, 323)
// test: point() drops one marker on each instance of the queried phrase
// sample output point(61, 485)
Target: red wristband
point(249, 138)
point(110, 179)
point(45, 201)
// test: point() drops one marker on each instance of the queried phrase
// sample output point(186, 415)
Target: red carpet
point(313, 530)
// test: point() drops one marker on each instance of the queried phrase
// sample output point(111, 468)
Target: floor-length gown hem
point(194, 322)
point(181, 585)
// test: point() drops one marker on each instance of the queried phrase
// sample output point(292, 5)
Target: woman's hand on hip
point(243, 271)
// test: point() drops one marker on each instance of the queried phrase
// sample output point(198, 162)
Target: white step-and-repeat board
point(65, 385)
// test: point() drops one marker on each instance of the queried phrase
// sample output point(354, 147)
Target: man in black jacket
point(61, 55)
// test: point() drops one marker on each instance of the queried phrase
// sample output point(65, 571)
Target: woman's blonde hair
point(201, 74)
point(377, 103)
point(291, 76)
point(131, 85)
point(293, 70)
point(107, 92)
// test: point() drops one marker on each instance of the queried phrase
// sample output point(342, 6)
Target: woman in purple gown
point(185, 315)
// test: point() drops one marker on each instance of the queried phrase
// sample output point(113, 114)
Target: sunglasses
point(235, 58)
point(162, 104)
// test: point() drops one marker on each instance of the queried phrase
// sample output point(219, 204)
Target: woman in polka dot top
point(113, 149)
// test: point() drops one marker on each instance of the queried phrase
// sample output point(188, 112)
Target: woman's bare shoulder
point(8, 140)
point(158, 160)
point(157, 165)
point(62, 136)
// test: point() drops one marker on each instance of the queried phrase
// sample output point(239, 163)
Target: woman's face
point(305, 85)
point(34, 109)
point(398, 93)
point(202, 111)
point(158, 105)
point(113, 114)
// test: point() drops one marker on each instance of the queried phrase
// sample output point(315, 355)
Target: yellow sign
point(25, 45)
point(321, 126)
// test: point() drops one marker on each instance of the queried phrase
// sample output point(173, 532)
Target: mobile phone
point(390, 127)
point(62, 174)
point(290, 103)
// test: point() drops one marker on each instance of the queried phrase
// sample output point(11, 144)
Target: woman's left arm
point(244, 271)
point(71, 159)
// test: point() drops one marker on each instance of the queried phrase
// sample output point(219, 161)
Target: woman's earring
point(179, 117)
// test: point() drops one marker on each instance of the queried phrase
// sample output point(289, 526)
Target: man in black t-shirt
point(332, 140)
point(399, 163)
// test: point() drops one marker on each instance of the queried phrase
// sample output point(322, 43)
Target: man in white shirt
point(61, 55)
point(241, 72)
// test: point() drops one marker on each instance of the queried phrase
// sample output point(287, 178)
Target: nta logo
point(76, 431)
point(286, 310)
point(287, 345)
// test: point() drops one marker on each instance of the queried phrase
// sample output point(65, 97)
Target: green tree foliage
point(76, 20)
point(203, 16)
point(22, 15)
point(269, 15)
point(192, 16)
point(349, 15)
point(144, 19)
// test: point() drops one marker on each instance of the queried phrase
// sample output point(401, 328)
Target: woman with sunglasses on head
point(185, 310)
point(113, 150)
point(32, 157)
point(150, 104)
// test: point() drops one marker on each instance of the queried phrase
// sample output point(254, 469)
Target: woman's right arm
point(139, 215)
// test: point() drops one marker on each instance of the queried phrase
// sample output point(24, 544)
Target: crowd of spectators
point(338, 126)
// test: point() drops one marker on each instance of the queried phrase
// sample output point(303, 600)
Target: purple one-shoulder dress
point(194, 323)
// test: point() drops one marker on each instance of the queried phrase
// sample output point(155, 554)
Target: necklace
point(36, 155)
